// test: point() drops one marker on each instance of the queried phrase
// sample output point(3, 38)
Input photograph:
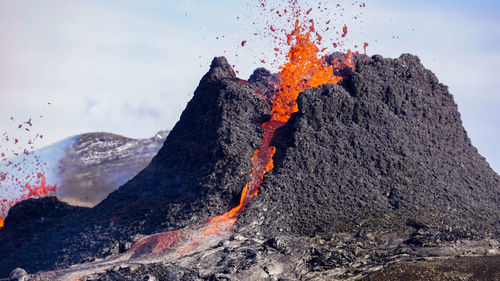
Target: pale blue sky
point(129, 67)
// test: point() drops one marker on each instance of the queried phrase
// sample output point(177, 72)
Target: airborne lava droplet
point(304, 68)
point(21, 177)
point(344, 31)
point(41, 189)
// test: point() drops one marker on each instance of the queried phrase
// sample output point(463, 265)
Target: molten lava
point(38, 191)
point(25, 167)
point(304, 69)
point(42, 190)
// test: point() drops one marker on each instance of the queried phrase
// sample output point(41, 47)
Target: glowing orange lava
point(19, 164)
point(38, 191)
point(304, 69)
point(43, 189)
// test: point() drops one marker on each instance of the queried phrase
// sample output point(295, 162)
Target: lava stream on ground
point(304, 69)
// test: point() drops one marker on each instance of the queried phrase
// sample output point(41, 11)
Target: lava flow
point(304, 69)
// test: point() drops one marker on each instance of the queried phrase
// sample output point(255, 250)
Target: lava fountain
point(21, 169)
point(39, 190)
point(304, 68)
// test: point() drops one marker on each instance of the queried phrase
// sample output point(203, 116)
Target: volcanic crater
point(372, 171)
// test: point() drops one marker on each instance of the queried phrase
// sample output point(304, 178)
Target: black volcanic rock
point(377, 169)
point(37, 213)
point(206, 158)
point(266, 81)
point(383, 150)
point(374, 170)
point(199, 173)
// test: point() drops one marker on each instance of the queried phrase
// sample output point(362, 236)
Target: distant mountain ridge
point(98, 163)
point(89, 166)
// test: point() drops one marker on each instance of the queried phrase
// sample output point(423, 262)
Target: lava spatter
point(39, 190)
point(22, 176)
point(304, 68)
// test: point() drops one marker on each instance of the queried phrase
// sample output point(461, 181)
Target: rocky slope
point(373, 171)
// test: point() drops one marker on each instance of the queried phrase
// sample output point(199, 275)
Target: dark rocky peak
point(264, 78)
point(266, 81)
point(199, 173)
point(216, 130)
point(219, 69)
point(384, 147)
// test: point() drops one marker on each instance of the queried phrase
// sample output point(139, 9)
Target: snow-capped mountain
point(87, 167)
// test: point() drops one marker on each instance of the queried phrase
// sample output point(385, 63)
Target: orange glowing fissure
point(304, 69)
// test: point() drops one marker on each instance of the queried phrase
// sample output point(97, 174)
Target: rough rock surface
point(462, 268)
point(33, 213)
point(18, 274)
point(383, 150)
point(375, 170)
point(197, 174)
